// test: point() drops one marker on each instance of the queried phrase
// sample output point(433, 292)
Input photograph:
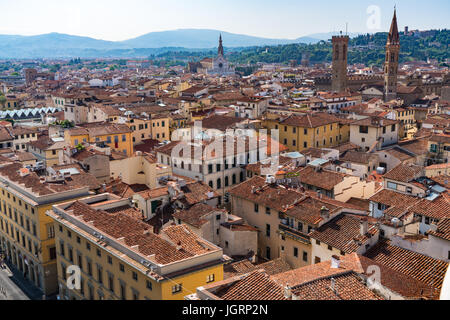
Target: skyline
point(25, 17)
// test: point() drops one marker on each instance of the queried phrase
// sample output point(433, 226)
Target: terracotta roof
point(443, 229)
point(438, 208)
point(324, 179)
point(255, 286)
point(272, 267)
point(361, 203)
point(195, 215)
point(374, 122)
point(398, 282)
point(137, 233)
point(310, 120)
point(221, 123)
point(348, 286)
point(33, 182)
point(443, 180)
point(344, 233)
point(358, 157)
point(418, 266)
point(404, 172)
point(395, 200)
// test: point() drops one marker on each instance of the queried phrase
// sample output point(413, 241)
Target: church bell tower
point(391, 63)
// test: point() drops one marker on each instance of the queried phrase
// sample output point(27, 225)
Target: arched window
point(234, 179)
point(219, 183)
point(241, 176)
point(227, 181)
point(182, 164)
point(211, 184)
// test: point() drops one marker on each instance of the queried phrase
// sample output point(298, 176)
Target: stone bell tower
point(391, 63)
point(340, 50)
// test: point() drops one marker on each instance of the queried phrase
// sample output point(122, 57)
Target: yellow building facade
point(299, 133)
point(117, 136)
point(27, 235)
point(114, 269)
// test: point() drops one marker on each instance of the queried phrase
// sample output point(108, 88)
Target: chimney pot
point(364, 227)
point(287, 292)
point(335, 262)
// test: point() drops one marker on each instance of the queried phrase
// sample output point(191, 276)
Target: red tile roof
point(418, 266)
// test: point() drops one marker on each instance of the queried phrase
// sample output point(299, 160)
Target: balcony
point(293, 234)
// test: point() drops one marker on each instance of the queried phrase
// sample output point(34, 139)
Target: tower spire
point(220, 50)
point(394, 36)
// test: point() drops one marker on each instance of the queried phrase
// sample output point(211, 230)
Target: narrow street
point(9, 290)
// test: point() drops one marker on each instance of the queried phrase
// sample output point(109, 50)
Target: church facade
point(220, 65)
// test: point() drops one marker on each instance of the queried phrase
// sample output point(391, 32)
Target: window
point(295, 252)
point(363, 129)
point(393, 128)
point(61, 249)
point(52, 252)
point(268, 253)
point(256, 207)
point(210, 278)
point(305, 256)
point(149, 285)
point(111, 282)
point(50, 231)
point(124, 138)
point(70, 251)
point(122, 268)
point(177, 288)
point(135, 276)
point(392, 185)
point(99, 253)
point(89, 267)
point(100, 275)
point(330, 248)
point(88, 246)
point(268, 230)
point(123, 293)
point(318, 242)
point(80, 261)
point(218, 217)
point(109, 260)
point(268, 211)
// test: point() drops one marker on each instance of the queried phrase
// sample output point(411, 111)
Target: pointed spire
point(394, 36)
point(220, 50)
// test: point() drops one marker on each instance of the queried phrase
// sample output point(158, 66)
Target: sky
point(117, 20)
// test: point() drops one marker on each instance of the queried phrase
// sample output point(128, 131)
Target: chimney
point(333, 285)
point(324, 212)
point(287, 292)
point(364, 227)
point(335, 262)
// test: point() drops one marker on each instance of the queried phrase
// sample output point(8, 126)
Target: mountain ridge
point(59, 45)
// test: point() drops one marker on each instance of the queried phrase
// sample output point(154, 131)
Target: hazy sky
point(124, 19)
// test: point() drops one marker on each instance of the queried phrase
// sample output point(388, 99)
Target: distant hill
point(56, 45)
point(367, 49)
